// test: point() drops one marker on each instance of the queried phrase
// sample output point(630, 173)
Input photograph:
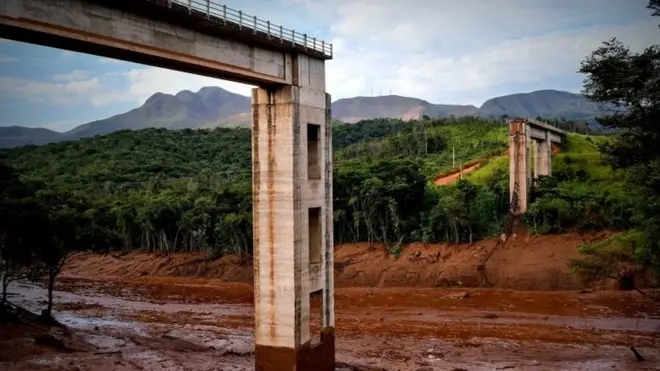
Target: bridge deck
point(548, 127)
point(218, 20)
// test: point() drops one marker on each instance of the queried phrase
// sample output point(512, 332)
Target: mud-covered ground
point(526, 262)
point(174, 323)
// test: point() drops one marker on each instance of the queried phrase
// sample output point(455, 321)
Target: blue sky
point(439, 50)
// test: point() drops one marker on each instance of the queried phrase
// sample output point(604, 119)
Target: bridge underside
point(156, 59)
point(291, 147)
point(147, 34)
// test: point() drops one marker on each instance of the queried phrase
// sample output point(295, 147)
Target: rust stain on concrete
point(272, 164)
point(306, 357)
point(297, 208)
point(256, 187)
point(329, 264)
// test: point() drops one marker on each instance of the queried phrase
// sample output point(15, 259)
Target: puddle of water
point(107, 343)
point(233, 343)
point(86, 323)
point(46, 361)
point(29, 296)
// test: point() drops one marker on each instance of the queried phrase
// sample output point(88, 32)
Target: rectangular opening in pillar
point(315, 237)
point(313, 151)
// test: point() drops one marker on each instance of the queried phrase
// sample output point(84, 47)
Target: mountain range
point(215, 107)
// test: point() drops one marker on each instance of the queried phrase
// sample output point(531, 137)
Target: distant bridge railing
point(251, 24)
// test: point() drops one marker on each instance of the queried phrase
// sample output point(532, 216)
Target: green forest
point(190, 190)
point(184, 191)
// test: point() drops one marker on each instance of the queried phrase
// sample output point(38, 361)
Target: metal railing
point(251, 24)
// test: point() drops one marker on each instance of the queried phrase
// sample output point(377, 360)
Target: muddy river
point(203, 324)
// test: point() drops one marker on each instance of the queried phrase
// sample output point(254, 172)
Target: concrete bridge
point(291, 138)
point(525, 136)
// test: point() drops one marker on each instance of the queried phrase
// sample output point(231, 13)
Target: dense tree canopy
point(190, 190)
point(629, 83)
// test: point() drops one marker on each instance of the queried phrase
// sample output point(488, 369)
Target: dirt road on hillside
point(171, 323)
point(451, 178)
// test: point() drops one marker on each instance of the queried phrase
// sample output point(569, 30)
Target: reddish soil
point(524, 263)
point(452, 177)
point(183, 312)
point(174, 323)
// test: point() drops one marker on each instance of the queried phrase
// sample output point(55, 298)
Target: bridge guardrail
point(249, 23)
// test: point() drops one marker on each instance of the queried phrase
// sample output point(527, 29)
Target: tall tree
point(69, 230)
point(629, 83)
point(19, 216)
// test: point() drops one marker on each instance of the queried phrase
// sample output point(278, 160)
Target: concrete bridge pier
point(543, 158)
point(291, 138)
point(526, 135)
point(519, 162)
point(292, 206)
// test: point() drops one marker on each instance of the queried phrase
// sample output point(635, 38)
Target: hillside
point(544, 103)
point(212, 107)
point(542, 265)
point(11, 136)
point(352, 110)
point(191, 188)
point(209, 107)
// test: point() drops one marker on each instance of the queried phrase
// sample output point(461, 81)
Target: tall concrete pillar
point(292, 208)
point(543, 158)
point(529, 158)
point(519, 162)
point(535, 149)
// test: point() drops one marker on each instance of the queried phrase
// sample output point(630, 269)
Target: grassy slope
point(581, 154)
point(584, 180)
point(583, 192)
point(578, 153)
point(487, 144)
point(471, 143)
point(578, 167)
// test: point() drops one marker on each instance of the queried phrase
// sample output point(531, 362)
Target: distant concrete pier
point(526, 135)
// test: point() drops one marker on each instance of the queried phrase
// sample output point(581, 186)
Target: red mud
point(525, 263)
point(139, 313)
point(205, 324)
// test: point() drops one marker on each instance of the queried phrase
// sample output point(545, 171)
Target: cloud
point(133, 87)
point(421, 22)
point(66, 94)
point(75, 75)
point(450, 52)
point(7, 59)
point(440, 50)
point(110, 61)
point(143, 82)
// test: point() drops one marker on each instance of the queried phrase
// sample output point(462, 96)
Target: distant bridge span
point(526, 135)
point(291, 138)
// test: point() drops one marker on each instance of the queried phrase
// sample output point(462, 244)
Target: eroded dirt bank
point(173, 323)
point(525, 263)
